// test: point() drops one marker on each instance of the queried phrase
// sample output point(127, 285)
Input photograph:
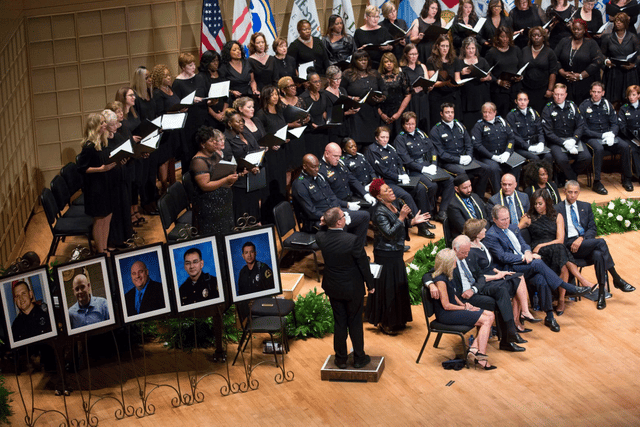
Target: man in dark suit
point(146, 294)
point(346, 271)
point(509, 196)
point(580, 238)
point(465, 205)
point(511, 252)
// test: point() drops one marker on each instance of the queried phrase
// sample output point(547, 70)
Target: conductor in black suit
point(146, 294)
point(580, 238)
point(346, 271)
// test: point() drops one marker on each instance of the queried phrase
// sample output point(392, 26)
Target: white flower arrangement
point(619, 217)
point(610, 215)
point(611, 206)
point(627, 223)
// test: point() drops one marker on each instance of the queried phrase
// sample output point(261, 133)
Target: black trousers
point(496, 298)
point(596, 252)
point(581, 161)
point(347, 317)
point(621, 147)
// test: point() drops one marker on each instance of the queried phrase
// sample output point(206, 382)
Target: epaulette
point(513, 110)
point(401, 133)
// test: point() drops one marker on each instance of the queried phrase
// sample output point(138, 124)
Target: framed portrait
point(195, 268)
point(142, 283)
point(87, 302)
point(252, 261)
point(27, 308)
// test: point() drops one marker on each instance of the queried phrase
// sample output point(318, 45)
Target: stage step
point(370, 373)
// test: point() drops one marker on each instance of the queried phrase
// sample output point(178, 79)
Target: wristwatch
point(580, 76)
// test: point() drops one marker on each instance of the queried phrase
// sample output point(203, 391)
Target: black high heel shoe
point(485, 367)
point(529, 319)
point(473, 358)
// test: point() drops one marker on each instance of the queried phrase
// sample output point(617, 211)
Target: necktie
point(512, 210)
point(472, 212)
point(574, 219)
point(138, 301)
point(512, 243)
point(467, 273)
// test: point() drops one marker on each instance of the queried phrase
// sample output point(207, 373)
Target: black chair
point(74, 180)
point(260, 325)
point(285, 222)
point(63, 227)
point(62, 196)
point(168, 216)
point(437, 327)
point(189, 186)
point(448, 235)
point(181, 203)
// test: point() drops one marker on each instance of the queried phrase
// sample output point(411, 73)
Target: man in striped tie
point(465, 205)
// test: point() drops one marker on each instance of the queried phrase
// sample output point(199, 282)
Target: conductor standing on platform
point(346, 271)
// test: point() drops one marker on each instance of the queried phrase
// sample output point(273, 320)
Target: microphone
point(402, 203)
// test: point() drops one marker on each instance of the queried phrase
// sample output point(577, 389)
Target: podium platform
point(370, 373)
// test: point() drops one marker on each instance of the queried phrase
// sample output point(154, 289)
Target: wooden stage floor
point(585, 375)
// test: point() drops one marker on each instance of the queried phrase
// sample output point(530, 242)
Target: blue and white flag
point(409, 10)
point(601, 6)
point(508, 5)
point(481, 8)
point(344, 9)
point(263, 20)
point(303, 9)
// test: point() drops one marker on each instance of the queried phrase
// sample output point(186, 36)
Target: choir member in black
point(213, 202)
point(246, 107)
point(314, 139)
point(496, 18)
point(295, 148)
point(527, 130)
point(524, 16)
point(332, 93)
point(237, 144)
point(164, 100)
point(613, 8)
point(467, 17)
point(580, 61)
point(285, 64)
point(619, 44)
point(208, 75)
point(372, 33)
point(338, 44)
point(593, 18)
point(504, 56)
point(443, 60)
point(414, 69)
point(271, 118)
point(539, 175)
point(429, 15)
point(308, 49)
point(560, 12)
point(262, 64)
point(358, 80)
point(93, 164)
point(629, 117)
point(473, 93)
point(540, 75)
point(185, 82)
point(397, 89)
point(237, 69)
point(390, 14)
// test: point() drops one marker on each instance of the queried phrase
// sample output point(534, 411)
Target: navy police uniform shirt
point(341, 181)
point(203, 289)
point(451, 142)
point(526, 126)
point(314, 196)
point(415, 150)
point(35, 323)
point(599, 118)
point(259, 278)
point(629, 117)
point(491, 139)
point(385, 161)
point(359, 167)
point(560, 124)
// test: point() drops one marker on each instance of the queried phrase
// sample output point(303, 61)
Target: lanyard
point(467, 209)
point(515, 193)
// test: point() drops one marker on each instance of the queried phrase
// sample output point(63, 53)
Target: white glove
point(369, 198)
point(505, 156)
point(430, 170)
point(465, 160)
point(574, 150)
point(540, 147)
point(496, 158)
point(607, 135)
point(347, 218)
point(366, 187)
point(533, 148)
point(353, 206)
point(404, 179)
point(569, 144)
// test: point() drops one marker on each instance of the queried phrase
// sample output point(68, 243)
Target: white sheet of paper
point(302, 69)
point(173, 121)
point(152, 139)
point(523, 68)
point(463, 81)
point(375, 270)
point(255, 158)
point(126, 146)
point(219, 90)
point(282, 133)
point(297, 131)
point(188, 99)
point(157, 121)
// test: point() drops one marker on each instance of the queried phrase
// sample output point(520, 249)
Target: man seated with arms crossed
point(580, 238)
point(313, 196)
point(510, 251)
point(465, 205)
point(88, 308)
point(455, 148)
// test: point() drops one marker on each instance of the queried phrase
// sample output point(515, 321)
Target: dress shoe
point(559, 312)
point(511, 346)
point(407, 248)
point(602, 301)
point(429, 225)
point(578, 291)
point(552, 324)
point(529, 319)
point(599, 188)
point(519, 340)
point(362, 363)
point(423, 231)
point(623, 285)
point(627, 185)
point(440, 217)
point(524, 331)
point(341, 364)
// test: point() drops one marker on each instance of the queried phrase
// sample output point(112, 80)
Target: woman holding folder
point(506, 60)
point(618, 76)
point(473, 92)
point(429, 16)
point(540, 75)
point(414, 69)
point(443, 60)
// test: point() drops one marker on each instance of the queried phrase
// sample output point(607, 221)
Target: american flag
point(212, 35)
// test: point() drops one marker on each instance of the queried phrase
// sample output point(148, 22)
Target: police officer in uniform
point(601, 132)
point(313, 196)
point(32, 319)
point(455, 148)
point(629, 116)
point(199, 286)
point(387, 163)
point(493, 140)
point(256, 276)
point(527, 130)
point(563, 126)
point(418, 154)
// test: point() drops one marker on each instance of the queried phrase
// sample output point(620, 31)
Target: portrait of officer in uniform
point(199, 286)
point(256, 276)
point(32, 318)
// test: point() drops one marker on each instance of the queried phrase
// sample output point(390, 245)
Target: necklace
point(537, 50)
point(621, 38)
point(571, 55)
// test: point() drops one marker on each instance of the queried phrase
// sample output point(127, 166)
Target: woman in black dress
point(295, 148)
point(580, 61)
point(358, 80)
point(315, 139)
point(466, 17)
point(429, 15)
point(208, 75)
point(524, 17)
point(540, 75)
point(539, 175)
point(372, 33)
point(165, 98)
point(237, 69)
point(246, 107)
point(338, 44)
point(213, 201)
point(390, 22)
point(93, 164)
point(496, 18)
point(332, 93)
point(451, 311)
point(389, 307)
point(546, 228)
point(614, 7)
point(504, 56)
point(397, 89)
point(414, 69)
point(308, 49)
point(619, 44)
point(593, 17)
point(262, 64)
point(443, 59)
point(475, 92)
point(285, 65)
point(560, 12)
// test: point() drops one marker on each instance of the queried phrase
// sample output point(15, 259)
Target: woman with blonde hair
point(143, 89)
point(397, 88)
point(372, 33)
